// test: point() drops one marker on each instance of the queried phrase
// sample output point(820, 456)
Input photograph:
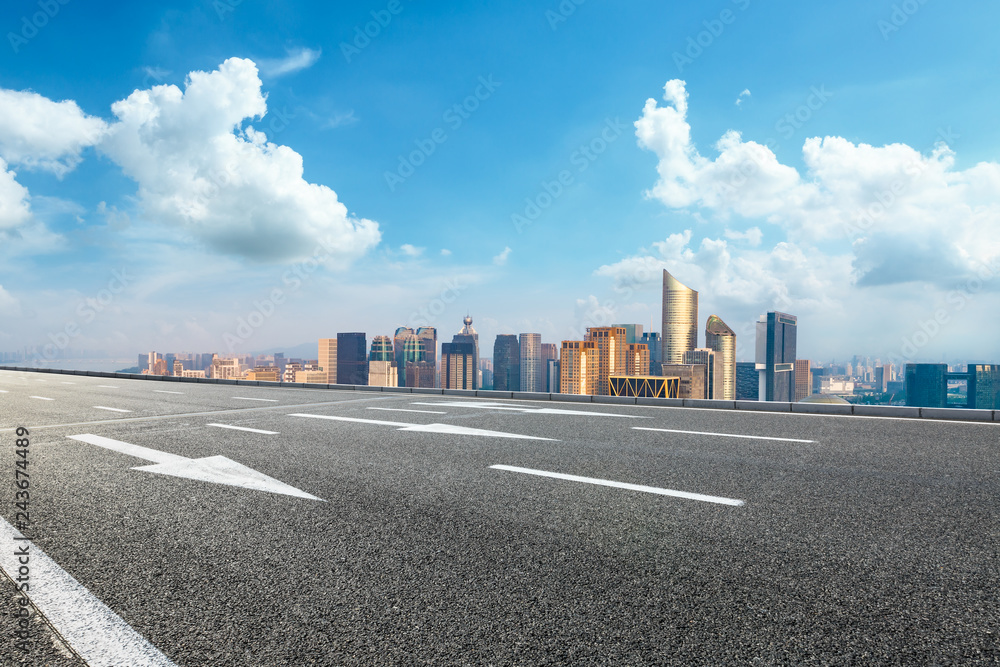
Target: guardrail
point(902, 412)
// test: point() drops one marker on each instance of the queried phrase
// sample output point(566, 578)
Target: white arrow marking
point(430, 428)
point(215, 469)
point(534, 411)
point(623, 485)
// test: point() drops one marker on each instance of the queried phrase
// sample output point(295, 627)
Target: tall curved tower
point(680, 319)
point(721, 338)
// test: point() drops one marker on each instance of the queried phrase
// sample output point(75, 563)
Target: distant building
point(651, 339)
point(680, 319)
point(693, 379)
point(411, 357)
point(485, 373)
point(578, 367)
point(328, 359)
point(611, 355)
point(430, 338)
point(469, 336)
point(532, 377)
point(550, 352)
point(927, 385)
point(458, 367)
point(352, 358)
point(506, 363)
point(552, 376)
point(776, 347)
point(192, 374)
point(265, 374)
point(633, 332)
point(803, 379)
point(226, 369)
point(747, 381)
point(722, 339)
point(706, 357)
point(984, 386)
point(312, 377)
point(382, 371)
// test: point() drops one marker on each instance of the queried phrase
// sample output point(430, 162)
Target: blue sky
point(840, 109)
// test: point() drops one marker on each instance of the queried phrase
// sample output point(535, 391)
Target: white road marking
point(426, 412)
point(3, 391)
point(269, 400)
point(101, 407)
point(106, 386)
point(94, 631)
point(163, 391)
point(243, 428)
point(623, 485)
point(533, 411)
point(69, 383)
point(214, 469)
point(429, 428)
point(721, 435)
point(42, 398)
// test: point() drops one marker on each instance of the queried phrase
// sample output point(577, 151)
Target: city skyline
point(544, 199)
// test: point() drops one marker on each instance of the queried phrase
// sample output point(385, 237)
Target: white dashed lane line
point(720, 435)
point(426, 412)
point(243, 428)
point(101, 407)
point(163, 391)
point(42, 398)
point(266, 400)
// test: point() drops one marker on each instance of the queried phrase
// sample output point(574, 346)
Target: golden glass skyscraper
point(680, 319)
point(722, 339)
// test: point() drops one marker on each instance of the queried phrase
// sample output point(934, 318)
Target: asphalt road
point(823, 540)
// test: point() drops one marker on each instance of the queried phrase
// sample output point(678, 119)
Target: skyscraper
point(352, 358)
point(776, 337)
point(747, 381)
point(722, 339)
point(468, 336)
point(612, 353)
point(927, 385)
point(704, 356)
point(651, 339)
point(382, 371)
point(803, 379)
point(578, 367)
point(532, 375)
point(506, 363)
point(458, 369)
point(680, 319)
point(984, 386)
point(549, 353)
point(430, 337)
point(328, 358)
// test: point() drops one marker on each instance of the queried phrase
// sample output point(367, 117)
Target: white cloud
point(893, 202)
point(37, 133)
point(501, 259)
point(296, 60)
point(9, 305)
point(445, 252)
point(752, 236)
point(14, 208)
point(411, 251)
point(743, 96)
point(200, 168)
point(341, 120)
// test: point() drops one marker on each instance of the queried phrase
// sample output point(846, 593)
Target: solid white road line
point(721, 435)
point(269, 400)
point(42, 398)
point(106, 386)
point(623, 485)
point(243, 428)
point(162, 391)
point(430, 428)
point(426, 412)
point(94, 631)
point(101, 407)
point(531, 411)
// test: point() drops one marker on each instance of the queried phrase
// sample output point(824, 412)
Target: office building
point(352, 358)
point(382, 371)
point(633, 332)
point(532, 377)
point(881, 379)
point(550, 352)
point(775, 362)
point(411, 357)
point(430, 338)
point(927, 385)
point(264, 374)
point(803, 379)
point(984, 386)
point(578, 367)
point(506, 363)
point(467, 336)
point(226, 369)
point(485, 373)
point(328, 359)
point(720, 338)
point(458, 368)
point(651, 339)
point(680, 320)
point(611, 355)
point(747, 381)
point(552, 376)
point(706, 357)
point(693, 379)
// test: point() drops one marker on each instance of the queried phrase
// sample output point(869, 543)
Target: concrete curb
point(903, 412)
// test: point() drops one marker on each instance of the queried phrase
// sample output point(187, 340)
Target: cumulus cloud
point(14, 208)
point(202, 167)
point(9, 305)
point(752, 236)
point(37, 133)
point(411, 251)
point(445, 252)
point(296, 60)
point(501, 259)
point(893, 203)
